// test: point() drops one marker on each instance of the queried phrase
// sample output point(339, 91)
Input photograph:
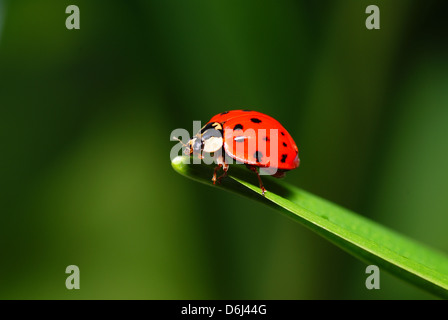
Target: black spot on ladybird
point(283, 159)
point(284, 144)
point(246, 110)
point(223, 113)
point(258, 155)
point(238, 127)
point(265, 138)
point(282, 133)
point(255, 120)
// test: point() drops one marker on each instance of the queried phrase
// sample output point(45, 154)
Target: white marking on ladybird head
point(212, 144)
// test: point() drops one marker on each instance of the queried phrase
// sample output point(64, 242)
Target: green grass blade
point(369, 241)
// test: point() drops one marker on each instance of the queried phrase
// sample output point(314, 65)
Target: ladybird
point(239, 135)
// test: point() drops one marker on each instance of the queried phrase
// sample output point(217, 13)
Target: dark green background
point(86, 117)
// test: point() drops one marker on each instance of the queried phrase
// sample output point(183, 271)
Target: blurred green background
point(86, 117)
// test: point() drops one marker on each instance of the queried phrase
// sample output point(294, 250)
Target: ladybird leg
point(214, 172)
point(263, 189)
point(225, 168)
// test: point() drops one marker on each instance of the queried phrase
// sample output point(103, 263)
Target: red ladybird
point(240, 135)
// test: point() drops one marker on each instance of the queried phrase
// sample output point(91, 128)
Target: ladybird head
point(211, 137)
point(208, 139)
point(194, 145)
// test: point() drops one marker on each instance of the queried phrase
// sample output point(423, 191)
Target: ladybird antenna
point(177, 139)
